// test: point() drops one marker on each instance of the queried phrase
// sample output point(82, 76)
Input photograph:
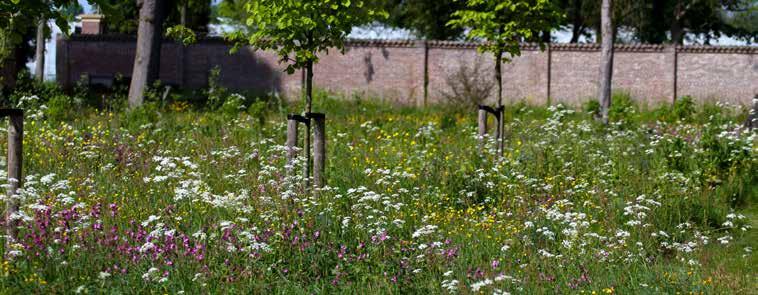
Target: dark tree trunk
point(40, 54)
point(147, 59)
point(577, 28)
point(576, 32)
point(500, 114)
point(545, 36)
point(677, 33)
point(606, 59)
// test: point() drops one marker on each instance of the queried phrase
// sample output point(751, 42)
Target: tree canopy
point(298, 30)
point(504, 24)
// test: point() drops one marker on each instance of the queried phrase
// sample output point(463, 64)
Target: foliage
point(298, 30)
point(159, 201)
point(216, 92)
point(623, 106)
point(182, 34)
point(426, 18)
point(504, 24)
point(123, 15)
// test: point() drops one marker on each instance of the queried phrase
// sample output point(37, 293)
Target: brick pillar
point(92, 24)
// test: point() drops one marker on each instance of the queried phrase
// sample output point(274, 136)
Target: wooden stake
point(292, 124)
point(482, 120)
point(319, 149)
point(15, 160)
point(500, 116)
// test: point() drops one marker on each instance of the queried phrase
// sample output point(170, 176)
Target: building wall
point(6, 73)
point(394, 70)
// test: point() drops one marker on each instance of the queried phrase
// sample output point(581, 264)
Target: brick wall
point(6, 73)
point(395, 70)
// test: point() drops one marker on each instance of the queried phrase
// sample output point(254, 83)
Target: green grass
point(411, 205)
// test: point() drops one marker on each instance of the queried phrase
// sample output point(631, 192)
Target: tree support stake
point(15, 175)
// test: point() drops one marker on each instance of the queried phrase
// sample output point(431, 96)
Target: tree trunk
point(308, 109)
point(546, 36)
point(147, 59)
point(576, 22)
point(751, 122)
point(183, 14)
point(576, 32)
point(40, 54)
point(500, 113)
point(677, 33)
point(606, 60)
point(15, 173)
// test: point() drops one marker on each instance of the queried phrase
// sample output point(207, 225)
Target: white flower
point(425, 230)
point(478, 285)
point(104, 275)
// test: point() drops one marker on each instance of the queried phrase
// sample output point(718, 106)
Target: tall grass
point(169, 198)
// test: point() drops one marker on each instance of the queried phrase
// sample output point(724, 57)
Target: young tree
point(503, 25)
point(298, 30)
point(606, 60)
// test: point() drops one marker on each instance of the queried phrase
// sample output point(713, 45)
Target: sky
point(365, 32)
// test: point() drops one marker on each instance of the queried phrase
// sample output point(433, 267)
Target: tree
point(427, 18)
point(503, 25)
point(298, 30)
point(40, 55)
point(606, 60)
point(147, 58)
point(19, 19)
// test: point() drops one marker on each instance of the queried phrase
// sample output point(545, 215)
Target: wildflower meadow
point(173, 199)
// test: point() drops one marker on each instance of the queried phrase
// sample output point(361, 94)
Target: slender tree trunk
point(183, 14)
point(501, 113)
point(308, 109)
point(677, 33)
point(546, 36)
point(147, 59)
point(40, 54)
point(606, 60)
point(576, 32)
point(576, 21)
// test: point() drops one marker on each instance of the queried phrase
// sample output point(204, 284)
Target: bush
point(592, 107)
point(469, 84)
point(683, 109)
point(622, 106)
point(60, 108)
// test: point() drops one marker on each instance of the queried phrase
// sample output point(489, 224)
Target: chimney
point(93, 24)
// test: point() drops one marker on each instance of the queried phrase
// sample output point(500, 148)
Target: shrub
point(233, 105)
point(683, 109)
point(258, 110)
point(216, 93)
point(591, 107)
point(622, 106)
point(469, 84)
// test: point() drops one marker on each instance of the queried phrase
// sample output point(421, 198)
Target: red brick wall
point(394, 70)
point(6, 74)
